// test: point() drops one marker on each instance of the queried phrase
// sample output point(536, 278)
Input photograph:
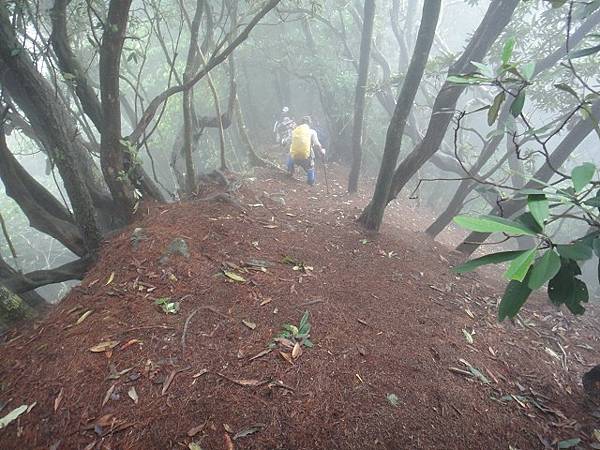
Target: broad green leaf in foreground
point(544, 269)
point(493, 224)
point(539, 208)
point(520, 266)
point(494, 258)
point(577, 251)
point(514, 298)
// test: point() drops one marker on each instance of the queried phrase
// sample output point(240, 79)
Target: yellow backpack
point(300, 148)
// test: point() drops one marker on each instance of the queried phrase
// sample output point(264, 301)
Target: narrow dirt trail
point(405, 355)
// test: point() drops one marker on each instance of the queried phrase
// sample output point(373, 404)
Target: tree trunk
point(544, 174)
point(49, 118)
point(45, 213)
point(361, 88)
point(13, 308)
point(372, 216)
point(112, 155)
point(497, 17)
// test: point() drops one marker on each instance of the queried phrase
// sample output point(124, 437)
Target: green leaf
point(304, 320)
point(596, 246)
point(493, 224)
point(520, 266)
point(577, 251)
point(566, 88)
point(517, 105)
point(308, 343)
point(495, 108)
point(582, 175)
point(569, 443)
point(566, 288)
point(527, 219)
point(494, 258)
point(539, 208)
point(527, 70)
point(544, 269)
point(514, 298)
point(584, 52)
point(507, 51)
point(468, 79)
point(484, 69)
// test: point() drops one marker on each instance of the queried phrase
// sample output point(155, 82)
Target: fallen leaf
point(266, 301)
point(30, 407)
point(133, 395)
point(248, 431)
point(228, 443)
point(596, 434)
point(468, 336)
point(84, 316)
point(199, 374)
point(569, 443)
point(249, 324)
point(270, 226)
point(58, 399)
point(392, 399)
point(194, 431)
point(297, 351)
point(261, 354)
point(287, 357)
point(234, 276)
point(108, 394)
point(110, 279)
point(194, 446)
point(228, 428)
point(168, 381)
point(469, 313)
point(14, 414)
point(129, 343)
point(104, 346)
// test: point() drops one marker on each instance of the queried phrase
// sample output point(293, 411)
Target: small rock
point(178, 246)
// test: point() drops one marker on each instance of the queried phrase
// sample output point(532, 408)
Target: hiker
point(283, 128)
point(304, 143)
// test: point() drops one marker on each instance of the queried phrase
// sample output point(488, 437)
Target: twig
point(185, 327)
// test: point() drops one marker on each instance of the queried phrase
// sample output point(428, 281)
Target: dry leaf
point(270, 226)
point(110, 279)
point(297, 351)
point(266, 301)
point(11, 416)
point(194, 446)
point(133, 395)
point(58, 399)
point(228, 443)
point(168, 381)
point(194, 431)
point(249, 324)
point(287, 357)
point(104, 346)
point(248, 431)
point(129, 343)
point(261, 354)
point(228, 428)
point(234, 276)
point(84, 316)
point(199, 374)
point(108, 394)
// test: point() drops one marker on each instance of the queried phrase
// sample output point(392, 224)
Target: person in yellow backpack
point(304, 142)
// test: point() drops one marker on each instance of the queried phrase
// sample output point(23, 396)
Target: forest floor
point(406, 354)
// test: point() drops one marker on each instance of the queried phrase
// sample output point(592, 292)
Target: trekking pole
point(325, 173)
